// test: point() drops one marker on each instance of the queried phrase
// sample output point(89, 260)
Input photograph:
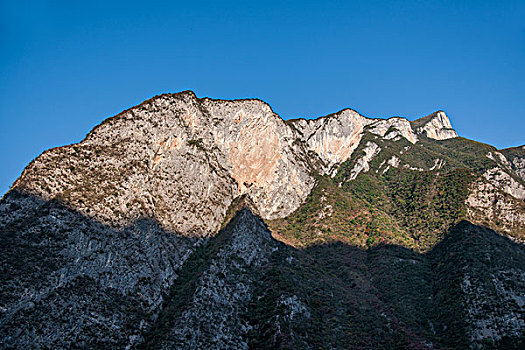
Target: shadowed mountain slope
point(84, 284)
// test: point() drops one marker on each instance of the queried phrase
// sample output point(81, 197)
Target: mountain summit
point(435, 126)
point(192, 223)
point(153, 156)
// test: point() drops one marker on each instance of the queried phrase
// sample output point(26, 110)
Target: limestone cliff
point(179, 160)
point(435, 126)
point(516, 159)
point(177, 151)
point(333, 138)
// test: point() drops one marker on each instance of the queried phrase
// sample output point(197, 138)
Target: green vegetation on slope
point(330, 214)
point(424, 203)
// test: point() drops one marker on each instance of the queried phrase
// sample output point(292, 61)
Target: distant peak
point(435, 126)
point(439, 114)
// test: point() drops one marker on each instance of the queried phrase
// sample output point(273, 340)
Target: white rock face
point(435, 126)
point(517, 162)
point(392, 162)
point(335, 137)
point(495, 197)
point(362, 165)
point(519, 167)
point(262, 155)
point(505, 182)
point(179, 160)
point(502, 159)
point(332, 138)
point(392, 128)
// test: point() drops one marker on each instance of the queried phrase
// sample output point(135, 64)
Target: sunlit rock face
point(333, 138)
point(114, 242)
point(435, 126)
point(393, 128)
point(515, 159)
point(362, 164)
point(261, 155)
point(505, 182)
point(497, 198)
point(180, 160)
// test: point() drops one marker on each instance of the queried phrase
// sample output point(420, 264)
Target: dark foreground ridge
point(70, 282)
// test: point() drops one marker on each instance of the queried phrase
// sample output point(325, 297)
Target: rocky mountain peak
point(435, 126)
point(333, 137)
point(176, 151)
point(199, 154)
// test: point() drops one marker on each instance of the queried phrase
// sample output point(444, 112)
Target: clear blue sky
point(67, 65)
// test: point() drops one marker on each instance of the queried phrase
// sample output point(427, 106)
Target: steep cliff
point(435, 126)
point(197, 155)
point(176, 151)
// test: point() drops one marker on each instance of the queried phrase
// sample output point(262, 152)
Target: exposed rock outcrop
point(435, 126)
point(392, 129)
point(69, 281)
point(177, 151)
point(505, 182)
point(516, 159)
point(490, 202)
point(180, 160)
point(362, 164)
point(333, 138)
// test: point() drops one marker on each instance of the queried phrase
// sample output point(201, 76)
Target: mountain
point(191, 223)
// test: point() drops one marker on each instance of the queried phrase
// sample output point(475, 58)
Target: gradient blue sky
point(67, 65)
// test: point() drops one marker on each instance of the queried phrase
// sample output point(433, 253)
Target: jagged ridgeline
point(194, 223)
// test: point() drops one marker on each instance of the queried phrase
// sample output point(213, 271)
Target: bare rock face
point(505, 182)
point(518, 164)
point(333, 138)
point(72, 282)
point(179, 160)
point(120, 241)
point(393, 129)
point(262, 155)
point(435, 126)
point(362, 164)
point(516, 160)
point(497, 198)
